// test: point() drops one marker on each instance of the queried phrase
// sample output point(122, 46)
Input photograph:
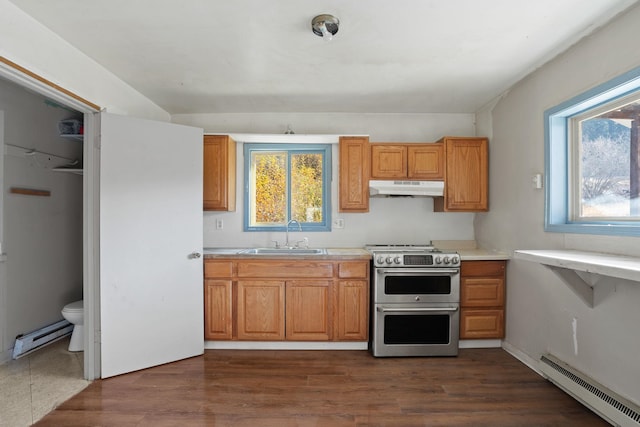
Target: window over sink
point(285, 182)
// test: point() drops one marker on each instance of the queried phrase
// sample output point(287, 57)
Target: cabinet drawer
point(285, 269)
point(482, 292)
point(218, 269)
point(353, 269)
point(481, 324)
point(482, 268)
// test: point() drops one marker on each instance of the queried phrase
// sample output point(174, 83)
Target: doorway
point(89, 221)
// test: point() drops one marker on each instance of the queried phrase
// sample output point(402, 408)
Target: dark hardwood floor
point(480, 387)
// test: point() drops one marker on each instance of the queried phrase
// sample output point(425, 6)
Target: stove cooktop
point(411, 255)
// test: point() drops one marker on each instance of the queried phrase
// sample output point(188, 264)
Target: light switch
point(537, 181)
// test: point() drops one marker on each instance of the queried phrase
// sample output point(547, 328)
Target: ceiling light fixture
point(325, 26)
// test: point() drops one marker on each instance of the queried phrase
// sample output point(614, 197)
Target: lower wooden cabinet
point(260, 309)
point(482, 296)
point(217, 320)
point(308, 310)
point(297, 300)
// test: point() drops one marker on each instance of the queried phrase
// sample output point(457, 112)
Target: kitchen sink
point(283, 251)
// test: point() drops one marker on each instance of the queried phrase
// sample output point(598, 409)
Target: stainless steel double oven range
point(415, 294)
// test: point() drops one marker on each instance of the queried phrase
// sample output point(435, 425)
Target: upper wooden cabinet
point(466, 175)
point(219, 173)
point(407, 161)
point(354, 174)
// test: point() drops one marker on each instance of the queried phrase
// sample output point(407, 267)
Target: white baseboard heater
point(609, 405)
point(32, 341)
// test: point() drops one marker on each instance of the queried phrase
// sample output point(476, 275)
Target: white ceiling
point(402, 56)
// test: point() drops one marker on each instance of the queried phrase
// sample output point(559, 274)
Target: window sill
point(599, 268)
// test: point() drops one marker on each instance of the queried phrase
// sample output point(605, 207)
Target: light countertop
point(332, 253)
point(479, 254)
point(466, 254)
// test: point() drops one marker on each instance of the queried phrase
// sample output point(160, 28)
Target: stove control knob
point(389, 260)
point(397, 260)
point(380, 260)
point(446, 260)
point(455, 260)
point(438, 260)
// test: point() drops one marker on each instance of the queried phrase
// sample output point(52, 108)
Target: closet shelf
point(69, 170)
point(72, 137)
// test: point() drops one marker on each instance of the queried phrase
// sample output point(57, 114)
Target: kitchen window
point(285, 182)
point(591, 160)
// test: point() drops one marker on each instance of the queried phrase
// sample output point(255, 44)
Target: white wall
point(42, 235)
point(540, 308)
point(391, 220)
point(34, 47)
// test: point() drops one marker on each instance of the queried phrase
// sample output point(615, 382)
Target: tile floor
point(32, 386)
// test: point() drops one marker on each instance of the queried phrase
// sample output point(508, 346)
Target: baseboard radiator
point(609, 405)
point(32, 341)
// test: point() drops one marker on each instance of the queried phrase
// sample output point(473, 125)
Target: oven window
point(417, 285)
point(416, 329)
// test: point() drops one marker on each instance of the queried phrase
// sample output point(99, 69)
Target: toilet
point(74, 313)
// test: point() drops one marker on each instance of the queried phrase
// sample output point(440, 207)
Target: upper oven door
point(411, 285)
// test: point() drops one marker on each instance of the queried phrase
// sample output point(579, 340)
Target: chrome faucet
point(286, 243)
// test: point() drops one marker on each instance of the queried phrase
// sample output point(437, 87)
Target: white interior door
point(151, 297)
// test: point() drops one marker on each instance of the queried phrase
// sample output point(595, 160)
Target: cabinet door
point(308, 310)
point(353, 310)
point(354, 174)
point(482, 292)
point(425, 161)
point(219, 173)
point(260, 310)
point(388, 161)
point(217, 313)
point(466, 176)
point(481, 323)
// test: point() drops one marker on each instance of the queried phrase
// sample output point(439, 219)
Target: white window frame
point(559, 170)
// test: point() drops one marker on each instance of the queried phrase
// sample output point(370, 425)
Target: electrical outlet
point(338, 223)
point(219, 224)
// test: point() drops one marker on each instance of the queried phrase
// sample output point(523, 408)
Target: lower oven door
point(415, 330)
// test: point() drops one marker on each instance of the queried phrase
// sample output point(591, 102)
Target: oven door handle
point(430, 271)
point(415, 310)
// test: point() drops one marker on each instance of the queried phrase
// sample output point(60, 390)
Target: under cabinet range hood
point(382, 188)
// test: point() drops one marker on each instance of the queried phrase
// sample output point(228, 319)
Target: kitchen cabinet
point(353, 301)
point(482, 296)
point(308, 310)
point(407, 161)
point(217, 297)
point(354, 174)
point(260, 299)
point(466, 175)
point(219, 172)
point(260, 309)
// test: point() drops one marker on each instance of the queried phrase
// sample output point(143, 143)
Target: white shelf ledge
point(572, 266)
